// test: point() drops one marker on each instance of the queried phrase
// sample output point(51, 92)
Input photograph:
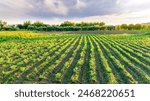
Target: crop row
point(85, 58)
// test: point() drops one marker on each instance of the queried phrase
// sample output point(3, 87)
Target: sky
point(57, 11)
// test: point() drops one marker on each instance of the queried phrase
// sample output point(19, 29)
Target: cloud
point(114, 19)
point(76, 8)
point(93, 8)
point(61, 10)
point(133, 5)
point(132, 2)
point(80, 4)
point(10, 9)
point(56, 7)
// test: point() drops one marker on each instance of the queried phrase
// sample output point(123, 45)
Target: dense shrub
point(20, 26)
point(110, 28)
point(9, 28)
point(31, 28)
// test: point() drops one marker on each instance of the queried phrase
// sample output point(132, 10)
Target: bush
point(110, 27)
point(77, 28)
point(9, 28)
point(20, 26)
point(102, 28)
point(51, 28)
point(31, 28)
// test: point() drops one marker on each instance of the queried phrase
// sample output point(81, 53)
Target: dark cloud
point(96, 7)
point(75, 8)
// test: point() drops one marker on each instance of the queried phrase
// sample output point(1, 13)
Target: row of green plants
point(25, 59)
point(132, 64)
point(122, 75)
point(74, 59)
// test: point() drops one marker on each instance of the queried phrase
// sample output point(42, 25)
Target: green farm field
point(29, 57)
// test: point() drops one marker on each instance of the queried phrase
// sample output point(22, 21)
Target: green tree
point(124, 26)
point(82, 24)
point(39, 24)
point(118, 27)
point(67, 23)
point(130, 26)
point(26, 24)
point(137, 26)
point(3, 23)
point(20, 26)
point(102, 24)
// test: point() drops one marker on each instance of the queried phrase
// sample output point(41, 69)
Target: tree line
point(70, 26)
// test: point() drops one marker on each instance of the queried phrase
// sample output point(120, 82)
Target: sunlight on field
point(29, 57)
point(19, 34)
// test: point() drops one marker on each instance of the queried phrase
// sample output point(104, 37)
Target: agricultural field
point(29, 57)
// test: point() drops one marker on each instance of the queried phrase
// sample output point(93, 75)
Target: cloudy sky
point(57, 11)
